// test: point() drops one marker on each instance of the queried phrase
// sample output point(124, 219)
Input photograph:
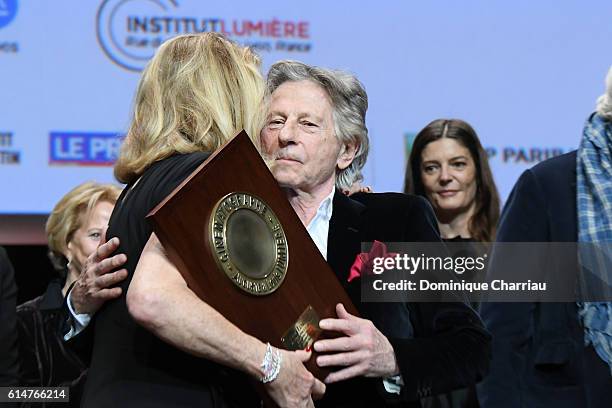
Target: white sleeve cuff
point(78, 322)
point(393, 385)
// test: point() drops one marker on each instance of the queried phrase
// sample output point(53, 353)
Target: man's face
point(299, 137)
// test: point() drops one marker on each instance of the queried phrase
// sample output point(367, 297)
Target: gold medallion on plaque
point(249, 243)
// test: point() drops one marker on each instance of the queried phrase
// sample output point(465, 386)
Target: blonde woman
point(158, 344)
point(74, 230)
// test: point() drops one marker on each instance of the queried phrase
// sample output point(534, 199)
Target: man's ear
point(347, 155)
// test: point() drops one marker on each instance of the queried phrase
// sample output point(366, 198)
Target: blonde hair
point(65, 218)
point(604, 102)
point(196, 93)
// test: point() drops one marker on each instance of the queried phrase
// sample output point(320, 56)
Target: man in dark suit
point(540, 358)
point(9, 361)
point(438, 346)
point(316, 138)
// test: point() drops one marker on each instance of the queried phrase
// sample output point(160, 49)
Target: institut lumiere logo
point(129, 31)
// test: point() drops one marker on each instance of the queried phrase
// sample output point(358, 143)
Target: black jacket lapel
point(344, 240)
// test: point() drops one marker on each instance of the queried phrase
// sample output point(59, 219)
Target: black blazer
point(439, 346)
point(9, 359)
point(130, 366)
point(539, 357)
point(45, 359)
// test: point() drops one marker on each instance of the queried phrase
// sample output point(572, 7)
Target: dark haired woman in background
point(449, 167)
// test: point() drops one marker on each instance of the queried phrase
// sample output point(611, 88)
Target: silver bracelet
point(271, 364)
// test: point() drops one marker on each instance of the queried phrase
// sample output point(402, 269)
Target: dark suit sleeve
point(450, 348)
point(82, 343)
point(9, 359)
point(524, 219)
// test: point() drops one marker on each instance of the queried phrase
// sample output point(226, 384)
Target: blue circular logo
point(8, 11)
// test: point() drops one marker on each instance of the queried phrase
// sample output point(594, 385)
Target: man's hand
point(295, 386)
point(364, 350)
point(94, 285)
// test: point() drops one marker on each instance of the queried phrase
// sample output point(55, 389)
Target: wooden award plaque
point(241, 247)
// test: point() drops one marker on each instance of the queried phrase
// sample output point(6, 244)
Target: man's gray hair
point(349, 101)
point(604, 102)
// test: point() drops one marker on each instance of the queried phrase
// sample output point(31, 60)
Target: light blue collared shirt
point(318, 228)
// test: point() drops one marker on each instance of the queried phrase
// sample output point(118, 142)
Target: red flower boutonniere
point(364, 262)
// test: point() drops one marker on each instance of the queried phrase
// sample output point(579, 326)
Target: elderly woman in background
point(74, 230)
point(450, 168)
